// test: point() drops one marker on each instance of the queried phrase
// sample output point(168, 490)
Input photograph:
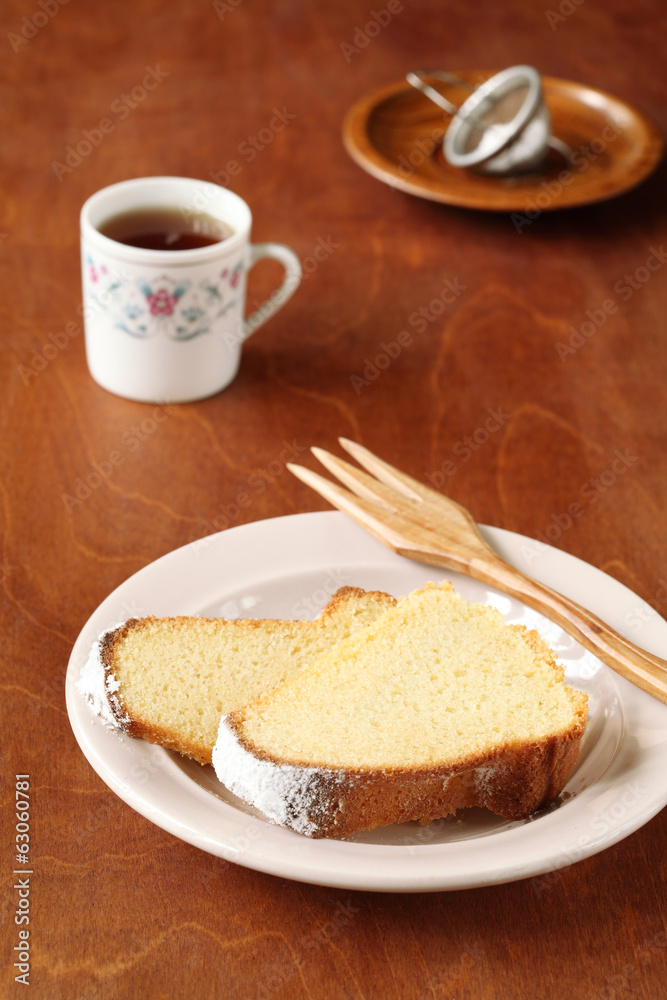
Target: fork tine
point(359, 482)
point(383, 524)
point(411, 488)
point(388, 474)
point(334, 493)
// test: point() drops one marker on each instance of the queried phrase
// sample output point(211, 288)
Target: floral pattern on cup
point(180, 310)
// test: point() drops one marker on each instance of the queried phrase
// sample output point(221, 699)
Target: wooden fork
point(419, 523)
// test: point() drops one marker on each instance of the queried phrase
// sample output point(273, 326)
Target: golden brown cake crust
point(512, 782)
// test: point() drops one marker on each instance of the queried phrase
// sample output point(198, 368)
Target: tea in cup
point(165, 262)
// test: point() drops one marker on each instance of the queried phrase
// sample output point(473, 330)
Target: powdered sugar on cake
point(283, 792)
point(98, 689)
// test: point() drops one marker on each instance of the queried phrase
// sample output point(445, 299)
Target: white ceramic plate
point(288, 567)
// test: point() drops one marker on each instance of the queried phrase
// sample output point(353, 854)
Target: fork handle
point(643, 669)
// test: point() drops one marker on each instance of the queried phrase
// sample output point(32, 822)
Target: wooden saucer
point(395, 134)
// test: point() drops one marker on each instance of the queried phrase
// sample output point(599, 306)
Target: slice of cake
point(436, 706)
point(169, 680)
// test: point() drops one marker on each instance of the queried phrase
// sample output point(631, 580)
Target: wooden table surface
point(120, 908)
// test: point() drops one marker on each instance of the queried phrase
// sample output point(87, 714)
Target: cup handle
point(292, 265)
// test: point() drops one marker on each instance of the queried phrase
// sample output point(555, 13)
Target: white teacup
point(166, 326)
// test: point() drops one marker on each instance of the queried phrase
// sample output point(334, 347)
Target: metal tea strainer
point(504, 127)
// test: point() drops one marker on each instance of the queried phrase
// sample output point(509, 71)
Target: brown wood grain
point(121, 908)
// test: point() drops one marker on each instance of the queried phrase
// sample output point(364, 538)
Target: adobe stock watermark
point(248, 149)
point(322, 251)
point(580, 159)
point(57, 342)
point(363, 35)
point(93, 991)
point(224, 7)
point(311, 604)
point(131, 441)
point(606, 820)
point(121, 107)
point(259, 312)
point(89, 821)
point(420, 319)
point(422, 150)
point(32, 25)
point(23, 947)
point(625, 288)
point(641, 615)
point(256, 484)
point(425, 834)
point(372, 368)
point(317, 938)
point(565, 9)
point(468, 445)
point(6, 570)
point(49, 350)
point(621, 983)
point(448, 980)
point(241, 843)
point(590, 492)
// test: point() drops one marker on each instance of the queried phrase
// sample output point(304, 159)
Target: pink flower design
point(161, 303)
point(93, 274)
